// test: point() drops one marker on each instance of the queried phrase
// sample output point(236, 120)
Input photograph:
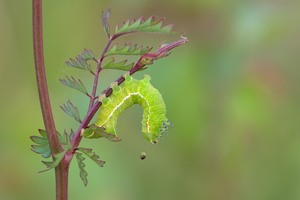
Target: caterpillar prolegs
point(154, 123)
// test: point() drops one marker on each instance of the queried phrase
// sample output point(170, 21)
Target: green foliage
point(71, 110)
point(87, 54)
point(152, 24)
point(80, 63)
point(55, 162)
point(121, 65)
point(95, 132)
point(70, 135)
point(92, 155)
point(75, 84)
point(83, 174)
point(128, 49)
point(42, 149)
point(41, 145)
point(104, 17)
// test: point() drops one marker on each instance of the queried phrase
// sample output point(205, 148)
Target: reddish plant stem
point(41, 77)
point(98, 70)
point(61, 171)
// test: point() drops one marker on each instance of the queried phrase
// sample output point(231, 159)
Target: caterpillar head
point(158, 133)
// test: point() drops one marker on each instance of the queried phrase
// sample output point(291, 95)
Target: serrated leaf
point(43, 150)
point(95, 132)
point(71, 110)
point(87, 54)
point(92, 155)
point(52, 164)
point(43, 133)
point(81, 165)
point(75, 84)
point(128, 49)
point(42, 144)
point(152, 24)
point(70, 135)
point(79, 62)
point(64, 140)
point(39, 140)
point(104, 18)
point(112, 64)
point(47, 163)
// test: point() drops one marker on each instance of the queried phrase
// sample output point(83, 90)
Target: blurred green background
point(232, 93)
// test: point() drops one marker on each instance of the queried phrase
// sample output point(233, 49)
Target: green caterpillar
point(154, 123)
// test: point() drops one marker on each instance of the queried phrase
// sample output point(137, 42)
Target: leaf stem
point(98, 70)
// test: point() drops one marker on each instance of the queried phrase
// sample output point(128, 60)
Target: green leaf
point(104, 18)
point(95, 132)
point(43, 133)
point(81, 165)
point(64, 140)
point(39, 140)
point(80, 63)
point(128, 49)
point(71, 110)
point(152, 24)
point(41, 145)
point(55, 162)
point(70, 135)
point(75, 84)
point(92, 155)
point(87, 54)
point(43, 150)
point(111, 64)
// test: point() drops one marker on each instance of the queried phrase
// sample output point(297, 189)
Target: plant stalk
point(61, 171)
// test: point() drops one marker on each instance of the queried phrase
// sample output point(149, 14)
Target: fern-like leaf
point(94, 131)
point(41, 145)
point(70, 135)
point(71, 110)
point(75, 84)
point(80, 63)
point(104, 18)
point(87, 54)
point(81, 165)
point(152, 24)
point(112, 64)
point(92, 155)
point(128, 49)
point(55, 162)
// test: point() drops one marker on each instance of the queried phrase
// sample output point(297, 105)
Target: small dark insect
point(142, 155)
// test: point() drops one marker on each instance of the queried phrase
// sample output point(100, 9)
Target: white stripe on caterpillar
point(155, 122)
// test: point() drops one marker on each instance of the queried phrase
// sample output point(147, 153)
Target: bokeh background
point(232, 93)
